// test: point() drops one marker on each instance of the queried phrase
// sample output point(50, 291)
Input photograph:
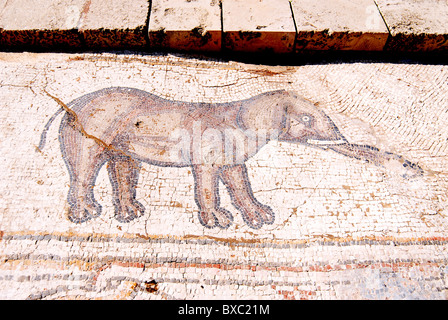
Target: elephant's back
point(100, 111)
point(80, 103)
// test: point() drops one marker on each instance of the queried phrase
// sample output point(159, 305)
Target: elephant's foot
point(266, 213)
point(128, 211)
point(80, 213)
point(218, 217)
point(255, 215)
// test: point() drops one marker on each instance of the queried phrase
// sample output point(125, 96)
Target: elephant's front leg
point(236, 179)
point(207, 197)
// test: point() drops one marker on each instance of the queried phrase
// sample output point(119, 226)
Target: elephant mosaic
point(125, 127)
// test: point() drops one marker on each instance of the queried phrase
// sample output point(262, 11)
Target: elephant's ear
point(267, 113)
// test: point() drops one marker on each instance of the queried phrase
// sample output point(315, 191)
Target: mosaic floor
point(340, 194)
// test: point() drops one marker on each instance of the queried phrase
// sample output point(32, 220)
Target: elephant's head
point(293, 118)
point(306, 124)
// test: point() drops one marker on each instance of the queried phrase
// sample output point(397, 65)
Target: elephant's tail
point(43, 136)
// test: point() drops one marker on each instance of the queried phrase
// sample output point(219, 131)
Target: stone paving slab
point(40, 23)
point(416, 25)
point(114, 24)
point(185, 25)
point(339, 25)
point(343, 227)
point(258, 25)
point(73, 24)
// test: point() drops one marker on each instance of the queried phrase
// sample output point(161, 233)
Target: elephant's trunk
point(379, 158)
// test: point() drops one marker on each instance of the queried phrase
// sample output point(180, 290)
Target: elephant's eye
point(306, 118)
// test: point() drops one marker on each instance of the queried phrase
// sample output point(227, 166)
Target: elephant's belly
point(155, 138)
point(158, 151)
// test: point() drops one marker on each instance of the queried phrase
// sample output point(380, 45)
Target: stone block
point(416, 25)
point(339, 25)
point(74, 23)
point(114, 23)
point(258, 25)
point(40, 23)
point(190, 25)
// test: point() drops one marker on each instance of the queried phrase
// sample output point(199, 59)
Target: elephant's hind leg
point(84, 158)
point(254, 213)
point(123, 174)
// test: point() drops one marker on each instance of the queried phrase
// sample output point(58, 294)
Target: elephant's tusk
point(326, 142)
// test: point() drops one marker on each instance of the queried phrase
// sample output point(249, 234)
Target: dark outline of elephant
point(129, 118)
